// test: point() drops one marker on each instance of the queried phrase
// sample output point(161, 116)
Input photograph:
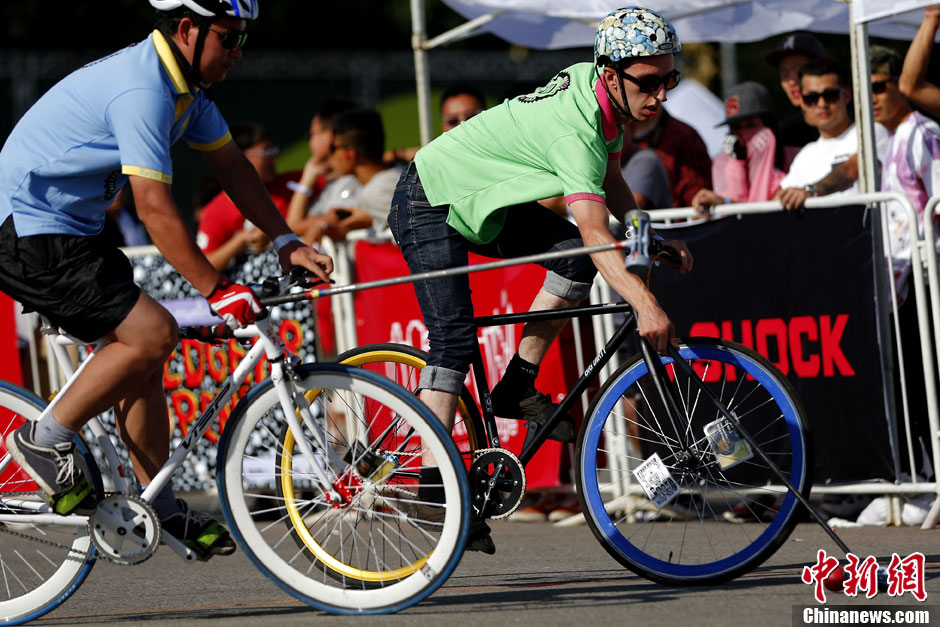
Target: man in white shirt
point(826, 94)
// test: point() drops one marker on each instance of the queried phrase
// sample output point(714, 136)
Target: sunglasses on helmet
point(231, 39)
point(830, 95)
point(650, 83)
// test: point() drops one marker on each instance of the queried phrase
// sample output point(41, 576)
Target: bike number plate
point(729, 447)
point(654, 478)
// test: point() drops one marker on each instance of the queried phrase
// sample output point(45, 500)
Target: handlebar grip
point(657, 246)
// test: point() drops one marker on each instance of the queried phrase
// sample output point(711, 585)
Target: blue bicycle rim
point(595, 503)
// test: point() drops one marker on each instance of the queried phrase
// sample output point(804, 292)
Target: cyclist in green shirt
point(475, 188)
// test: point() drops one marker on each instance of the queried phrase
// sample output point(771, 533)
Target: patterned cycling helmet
point(634, 32)
point(243, 9)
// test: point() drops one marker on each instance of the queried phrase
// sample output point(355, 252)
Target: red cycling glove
point(234, 303)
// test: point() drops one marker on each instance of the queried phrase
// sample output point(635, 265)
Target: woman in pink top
point(752, 162)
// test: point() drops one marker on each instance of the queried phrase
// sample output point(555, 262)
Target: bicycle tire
point(402, 364)
point(364, 555)
point(52, 573)
point(724, 521)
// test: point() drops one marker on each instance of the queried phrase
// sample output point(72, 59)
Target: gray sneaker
point(58, 471)
point(199, 531)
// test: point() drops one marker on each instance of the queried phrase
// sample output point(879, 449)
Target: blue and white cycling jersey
point(72, 152)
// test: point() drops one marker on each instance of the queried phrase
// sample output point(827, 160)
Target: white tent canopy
point(551, 24)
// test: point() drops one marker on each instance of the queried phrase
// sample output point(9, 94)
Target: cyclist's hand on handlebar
point(654, 325)
point(234, 303)
point(684, 253)
point(297, 254)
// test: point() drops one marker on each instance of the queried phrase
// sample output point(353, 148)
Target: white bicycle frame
point(292, 400)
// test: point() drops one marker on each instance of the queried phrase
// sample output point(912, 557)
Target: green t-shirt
point(555, 141)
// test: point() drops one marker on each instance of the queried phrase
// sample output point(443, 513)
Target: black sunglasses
point(830, 95)
point(650, 83)
point(879, 87)
point(231, 39)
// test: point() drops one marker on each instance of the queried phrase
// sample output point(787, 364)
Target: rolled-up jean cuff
point(557, 285)
point(441, 379)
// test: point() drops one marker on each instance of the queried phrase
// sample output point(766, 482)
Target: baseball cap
point(796, 43)
point(745, 101)
point(885, 60)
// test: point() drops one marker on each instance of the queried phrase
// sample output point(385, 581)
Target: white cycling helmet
point(243, 9)
point(206, 12)
point(634, 32)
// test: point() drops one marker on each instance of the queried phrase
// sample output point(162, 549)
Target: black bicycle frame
point(535, 440)
point(657, 373)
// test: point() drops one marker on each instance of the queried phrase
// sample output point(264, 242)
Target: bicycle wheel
point(402, 364)
point(42, 562)
point(728, 512)
point(369, 548)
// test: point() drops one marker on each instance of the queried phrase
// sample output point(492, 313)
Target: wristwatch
point(810, 189)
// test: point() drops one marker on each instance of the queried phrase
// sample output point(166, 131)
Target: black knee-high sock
point(430, 485)
point(519, 377)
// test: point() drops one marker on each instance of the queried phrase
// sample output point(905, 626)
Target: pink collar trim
point(608, 121)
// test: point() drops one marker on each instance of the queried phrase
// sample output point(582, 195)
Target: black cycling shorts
point(82, 284)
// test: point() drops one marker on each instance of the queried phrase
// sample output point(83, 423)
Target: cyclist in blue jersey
point(109, 124)
point(475, 188)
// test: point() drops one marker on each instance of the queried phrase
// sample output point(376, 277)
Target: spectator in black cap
point(751, 163)
point(793, 52)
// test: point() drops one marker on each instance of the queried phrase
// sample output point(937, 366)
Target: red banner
point(391, 314)
point(10, 364)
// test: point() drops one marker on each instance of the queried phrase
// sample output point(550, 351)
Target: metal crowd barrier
point(344, 320)
point(604, 326)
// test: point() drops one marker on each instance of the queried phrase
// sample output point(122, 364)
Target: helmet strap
point(192, 69)
point(624, 111)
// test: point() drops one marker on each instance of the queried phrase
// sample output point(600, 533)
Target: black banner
point(799, 290)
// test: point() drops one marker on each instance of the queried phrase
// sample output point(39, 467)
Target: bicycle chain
point(4, 528)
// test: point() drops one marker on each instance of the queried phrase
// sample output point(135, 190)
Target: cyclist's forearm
point(169, 234)
point(241, 182)
point(173, 240)
point(611, 266)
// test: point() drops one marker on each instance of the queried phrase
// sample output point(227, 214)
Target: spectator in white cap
point(751, 163)
point(793, 52)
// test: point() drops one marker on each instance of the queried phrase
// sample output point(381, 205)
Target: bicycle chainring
point(497, 483)
point(124, 529)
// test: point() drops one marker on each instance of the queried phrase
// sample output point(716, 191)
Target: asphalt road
point(542, 575)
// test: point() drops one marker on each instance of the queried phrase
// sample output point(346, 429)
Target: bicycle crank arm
point(189, 556)
point(730, 417)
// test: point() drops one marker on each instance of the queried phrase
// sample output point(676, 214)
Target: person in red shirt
point(682, 151)
point(224, 234)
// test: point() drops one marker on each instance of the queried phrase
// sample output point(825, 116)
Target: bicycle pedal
point(80, 499)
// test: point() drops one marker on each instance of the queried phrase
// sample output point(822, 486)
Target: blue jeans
point(428, 243)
